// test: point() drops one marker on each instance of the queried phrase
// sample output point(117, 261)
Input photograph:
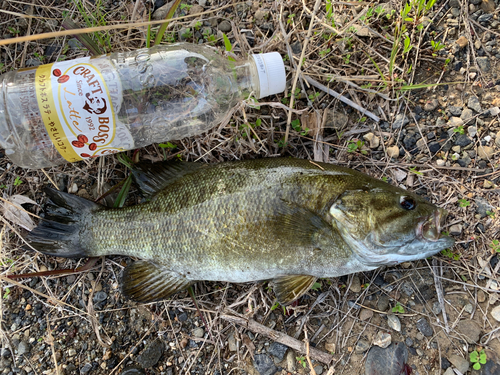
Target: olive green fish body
point(284, 219)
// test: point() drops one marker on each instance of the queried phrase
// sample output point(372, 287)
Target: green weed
point(398, 308)
point(478, 359)
point(463, 203)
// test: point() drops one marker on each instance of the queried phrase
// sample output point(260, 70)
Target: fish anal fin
point(145, 281)
point(154, 177)
point(289, 288)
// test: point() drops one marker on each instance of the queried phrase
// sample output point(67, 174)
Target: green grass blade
point(122, 195)
point(164, 26)
point(85, 39)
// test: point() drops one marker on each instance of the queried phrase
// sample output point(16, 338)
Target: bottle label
point(77, 109)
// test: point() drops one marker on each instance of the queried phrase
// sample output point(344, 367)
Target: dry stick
point(308, 357)
point(280, 337)
point(299, 65)
point(343, 99)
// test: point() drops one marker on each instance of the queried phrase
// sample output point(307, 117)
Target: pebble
point(383, 303)
point(455, 111)
point(88, 366)
point(468, 308)
point(330, 347)
point(455, 121)
point(224, 26)
point(470, 330)
point(71, 352)
point(449, 371)
point(393, 151)
point(361, 346)
point(462, 41)
point(400, 121)
point(264, 364)
point(99, 297)
point(130, 370)
point(440, 162)
point(485, 152)
point(231, 342)
point(463, 140)
point(456, 229)
point(473, 103)
point(436, 308)
point(390, 361)
point(467, 114)
point(372, 139)
point(198, 332)
point(151, 355)
point(421, 144)
point(495, 313)
point(277, 350)
point(472, 130)
point(481, 296)
point(365, 314)
point(383, 339)
point(23, 348)
point(459, 362)
point(484, 63)
point(431, 105)
point(394, 322)
point(409, 341)
point(488, 6)
point(318, 369)
point(355, 285)
point(424, 327)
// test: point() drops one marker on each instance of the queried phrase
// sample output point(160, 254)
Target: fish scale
point(283, 219)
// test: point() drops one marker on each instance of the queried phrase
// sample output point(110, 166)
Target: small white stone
point(393, 151)
point(382, 339)
point(394, 322)
point(440, 162)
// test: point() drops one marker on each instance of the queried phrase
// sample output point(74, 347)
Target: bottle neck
point(247, 78)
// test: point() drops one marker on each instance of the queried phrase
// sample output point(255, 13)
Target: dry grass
point(338, 55)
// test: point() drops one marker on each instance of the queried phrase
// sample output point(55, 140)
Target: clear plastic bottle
point(88, 107)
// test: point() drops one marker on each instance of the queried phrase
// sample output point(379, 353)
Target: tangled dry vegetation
point(400, 70)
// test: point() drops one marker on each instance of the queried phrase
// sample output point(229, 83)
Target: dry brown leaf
point(13, 211)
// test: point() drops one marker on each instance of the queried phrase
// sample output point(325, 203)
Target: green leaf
point(122, 195)
point(476, 366)
point(164, 26)
point(227, 43)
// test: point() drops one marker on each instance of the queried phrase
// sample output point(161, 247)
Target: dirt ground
point(408, 92)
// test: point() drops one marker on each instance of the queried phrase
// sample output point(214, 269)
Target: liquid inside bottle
point(85, 108)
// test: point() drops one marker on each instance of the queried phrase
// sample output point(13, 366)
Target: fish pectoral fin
point(153, 177)
point(288, 288)
point(145, 281)
point(300, 225)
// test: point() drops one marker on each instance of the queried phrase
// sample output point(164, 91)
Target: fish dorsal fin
point(145, 281)
point(289, 288)
point(153, 177)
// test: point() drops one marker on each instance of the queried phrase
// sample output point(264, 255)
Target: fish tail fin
point(63, 231)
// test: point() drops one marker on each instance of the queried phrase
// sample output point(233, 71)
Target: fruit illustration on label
point(63, 78)
point(85, 155)
point(78, 144)
point(92, 147)
point(82, 138)
point(57, 72)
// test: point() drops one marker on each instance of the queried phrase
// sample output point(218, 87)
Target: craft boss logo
point(86, 109)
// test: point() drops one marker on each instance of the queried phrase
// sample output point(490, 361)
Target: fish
point(287, 220)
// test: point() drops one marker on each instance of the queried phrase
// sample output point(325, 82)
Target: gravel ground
point(442, 141)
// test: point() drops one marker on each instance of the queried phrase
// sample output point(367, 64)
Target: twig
point(340, 97)
point(280, 337)
point(306, 340)
point(299, 66)
point(439, 291)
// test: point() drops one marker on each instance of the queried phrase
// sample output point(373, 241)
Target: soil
point(434, 83)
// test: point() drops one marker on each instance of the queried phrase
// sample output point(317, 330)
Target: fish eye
point(407, 203)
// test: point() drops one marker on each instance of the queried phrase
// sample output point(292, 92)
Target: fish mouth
point(429, 228)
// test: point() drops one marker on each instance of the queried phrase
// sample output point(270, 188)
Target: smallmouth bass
point(283, 219)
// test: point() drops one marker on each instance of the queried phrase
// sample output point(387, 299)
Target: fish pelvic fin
point(289, 288)
point(62, 232)
point(145, 281)
point(154, 177)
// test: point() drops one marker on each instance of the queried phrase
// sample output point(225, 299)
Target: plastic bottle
point(88, 107)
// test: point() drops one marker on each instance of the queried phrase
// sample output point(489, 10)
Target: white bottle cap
point(271, 70)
